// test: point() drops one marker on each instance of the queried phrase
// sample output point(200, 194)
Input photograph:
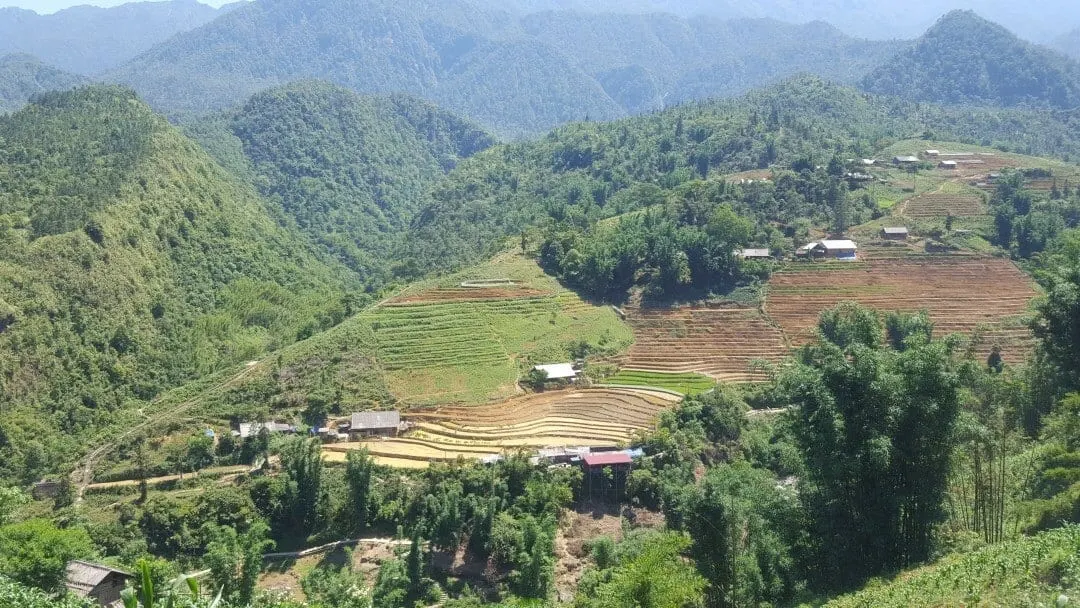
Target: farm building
point(96, 582)
point(251, 429)
point(932, 153)
point(897, 233)
point(755, 254)
point(947, 164)
point(563, 372)
point(832, 249)
point(375, 424)
point(905, 160)
point(868, 162)
point(45, 488)
point(606, 473)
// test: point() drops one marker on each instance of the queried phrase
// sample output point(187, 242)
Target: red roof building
point(604, 459)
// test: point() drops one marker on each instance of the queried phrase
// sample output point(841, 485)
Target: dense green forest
point(131, 263)
point(584, 172)
point(513, 75)
point(351, 171)
point(89, 40)
point(966, 59)
point(22, 76)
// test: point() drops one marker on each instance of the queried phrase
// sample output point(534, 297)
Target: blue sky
point(51, 6)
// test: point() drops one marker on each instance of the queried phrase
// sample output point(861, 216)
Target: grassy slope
point(424, 353)
point(131, 263)
point(1027, 572)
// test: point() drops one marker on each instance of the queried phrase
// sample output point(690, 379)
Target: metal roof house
point(558, 371)
point(905, 160)
point(898, 233)
point(836, 249)
point(252, 429)
point(755, 254)
point(96, 581)
point(383, 423)
point(947, 164)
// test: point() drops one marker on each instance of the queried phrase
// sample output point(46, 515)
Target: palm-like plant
point(172, 598)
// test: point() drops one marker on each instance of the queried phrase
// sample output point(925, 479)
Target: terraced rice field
point(962, 294)
point(457, 349)
point(720, 342)
point(940, 205)
point(594, 417)
point(467, 294)
point(687, 383)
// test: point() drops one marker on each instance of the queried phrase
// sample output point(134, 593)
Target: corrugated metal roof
point(755, 253)
point(603, 459)
point(558, 371)
point(250, 429)
point(895, 230)
point(367, 421)
point(841, 244)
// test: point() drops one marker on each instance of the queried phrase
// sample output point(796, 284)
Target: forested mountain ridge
point(1036, 20)
point(131, 263)
point(594, 170)
point(88, 39)
point(21, 76)
point(966, 59)
point(1069, 44)
point(351, 171)
point(513, 76)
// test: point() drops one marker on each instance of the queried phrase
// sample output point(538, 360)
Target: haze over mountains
point(89, 40)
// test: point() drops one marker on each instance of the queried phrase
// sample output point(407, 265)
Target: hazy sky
point(51, 6)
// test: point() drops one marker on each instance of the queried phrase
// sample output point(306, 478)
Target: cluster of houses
point(385, 423)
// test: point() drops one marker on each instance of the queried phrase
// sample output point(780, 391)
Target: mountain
point(966, 59)
point(1069, 43)
point(21, 76)
point(131, 262)
point(88, 39)
point(597, 170)
point(1036, 20)
point(351, 171)
point(515, 75)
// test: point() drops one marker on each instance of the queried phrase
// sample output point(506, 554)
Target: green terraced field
point(687, 384)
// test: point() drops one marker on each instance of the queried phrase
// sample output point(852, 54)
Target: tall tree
point(875, 427)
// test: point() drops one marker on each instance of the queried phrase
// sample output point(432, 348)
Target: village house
point(932, 153)
point(375, 424)
point(606, 473)
point(843, 249)
point(897, 233)
point(96, 582)
point(948, 164)
point(755, 254)
point(905, 160)
point(558, 372)
point(252, 429)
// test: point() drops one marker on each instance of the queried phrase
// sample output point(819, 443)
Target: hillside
point(88, 39)
point(1030, 571)
point(966, 59)
point(1069, 44)
point(513, 75)
point(131, 263)
point(600, 170)
point(351, 171)
point(872, 19)
point(21, 76)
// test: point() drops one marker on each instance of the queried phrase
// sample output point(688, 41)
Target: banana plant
point(146, 598)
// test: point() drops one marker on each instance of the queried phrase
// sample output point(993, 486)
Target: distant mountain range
point(966, 59)
point(21, 76)
point(88, 40)
point(513, 75)
point(1039, 20)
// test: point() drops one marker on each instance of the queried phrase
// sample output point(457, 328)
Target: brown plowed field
point(962, 294)
point(594, 417)
point(941, 205)
point(720, 342)
point(467, 294)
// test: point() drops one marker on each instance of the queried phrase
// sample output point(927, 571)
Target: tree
point(36, 552)
point(875, 427)
point(1057, 325)
point(359, 469)
point(236, 559)
point(657, 576)
point(302, 464)
point(11, 500)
